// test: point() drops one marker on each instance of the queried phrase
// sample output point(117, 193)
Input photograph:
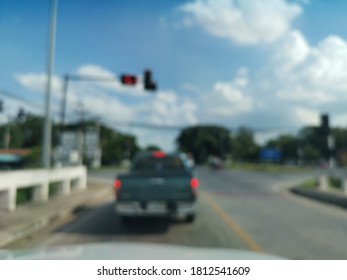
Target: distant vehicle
point(215, 162)
point(321, 163)
point(10, 162)
point(158, 184)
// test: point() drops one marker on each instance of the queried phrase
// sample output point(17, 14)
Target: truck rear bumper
point(136, 209)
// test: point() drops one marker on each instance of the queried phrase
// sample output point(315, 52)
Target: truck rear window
point(158, 164)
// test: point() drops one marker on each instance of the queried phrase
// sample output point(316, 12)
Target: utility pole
point(63, 105)
point(331, 147)
point(82, 113)
point(329, 142)
point(300, 152)
point(47, 129)
point(7, 139)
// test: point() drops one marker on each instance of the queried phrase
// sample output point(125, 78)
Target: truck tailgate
point(156, 188)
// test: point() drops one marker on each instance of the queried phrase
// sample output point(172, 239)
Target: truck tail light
point(158, 154)
point(194, 183)
point(117, 184)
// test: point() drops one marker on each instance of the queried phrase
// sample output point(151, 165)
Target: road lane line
point(241, 233)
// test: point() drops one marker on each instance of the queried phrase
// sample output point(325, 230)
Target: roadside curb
point(42, 222)
point(326, 197)
point(283, 186)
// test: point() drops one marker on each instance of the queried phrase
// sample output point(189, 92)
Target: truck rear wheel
point(125, 220)
point(190, 218)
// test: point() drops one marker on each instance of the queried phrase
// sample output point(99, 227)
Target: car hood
point(133, 251)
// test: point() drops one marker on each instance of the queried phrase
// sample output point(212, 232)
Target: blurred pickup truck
point(158, 184)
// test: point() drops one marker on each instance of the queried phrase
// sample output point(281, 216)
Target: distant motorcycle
point(216, 163)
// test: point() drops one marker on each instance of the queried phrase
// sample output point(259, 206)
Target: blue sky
point(273, 65)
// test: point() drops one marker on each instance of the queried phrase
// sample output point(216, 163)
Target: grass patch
point(335, 183)
point(53, 189)
point(24, 195)
point(269, 167)
point(309, 184)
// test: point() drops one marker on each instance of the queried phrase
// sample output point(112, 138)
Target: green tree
point(205, 140)
point(32, 128)
point(116, 146)
point(152, 148)
point(312, 144)
point(244, 146)
point(340, 137)
point(287, 144)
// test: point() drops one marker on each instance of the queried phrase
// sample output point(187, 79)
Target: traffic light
point(129, 80)
point(148, 82)
point(1, 106)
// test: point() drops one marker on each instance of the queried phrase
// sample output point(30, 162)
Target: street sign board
point(270, 154)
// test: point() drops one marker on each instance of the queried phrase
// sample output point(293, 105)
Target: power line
point(144, 125)
point(17, 97)
point(177, 127)
point(27, 101)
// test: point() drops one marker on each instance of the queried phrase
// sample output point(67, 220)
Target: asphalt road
point(236, 209)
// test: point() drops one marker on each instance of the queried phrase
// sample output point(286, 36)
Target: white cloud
point(247, 22)
point(228, 99)
point(166, 108)
point(103, 105)
point(38, 81)
point(339, 120)
point(327, 66)
point(298, 94)
point(95, 70)
point(304, 116)
point(292, 50)
point(314, 75)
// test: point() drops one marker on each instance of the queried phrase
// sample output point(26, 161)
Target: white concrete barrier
point(323, 182)
point(344, 185)
point(69, 178)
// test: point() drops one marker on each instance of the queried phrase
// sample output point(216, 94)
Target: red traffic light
point(128, 79)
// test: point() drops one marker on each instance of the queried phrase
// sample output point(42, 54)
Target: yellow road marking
point(241, 233)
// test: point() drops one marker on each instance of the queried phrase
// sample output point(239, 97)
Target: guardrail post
point(344, 185)
point(81, 183)
point(323, 182)
point(8, 199)
point(41, 192)
point(65, 187)
point(82, 180)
